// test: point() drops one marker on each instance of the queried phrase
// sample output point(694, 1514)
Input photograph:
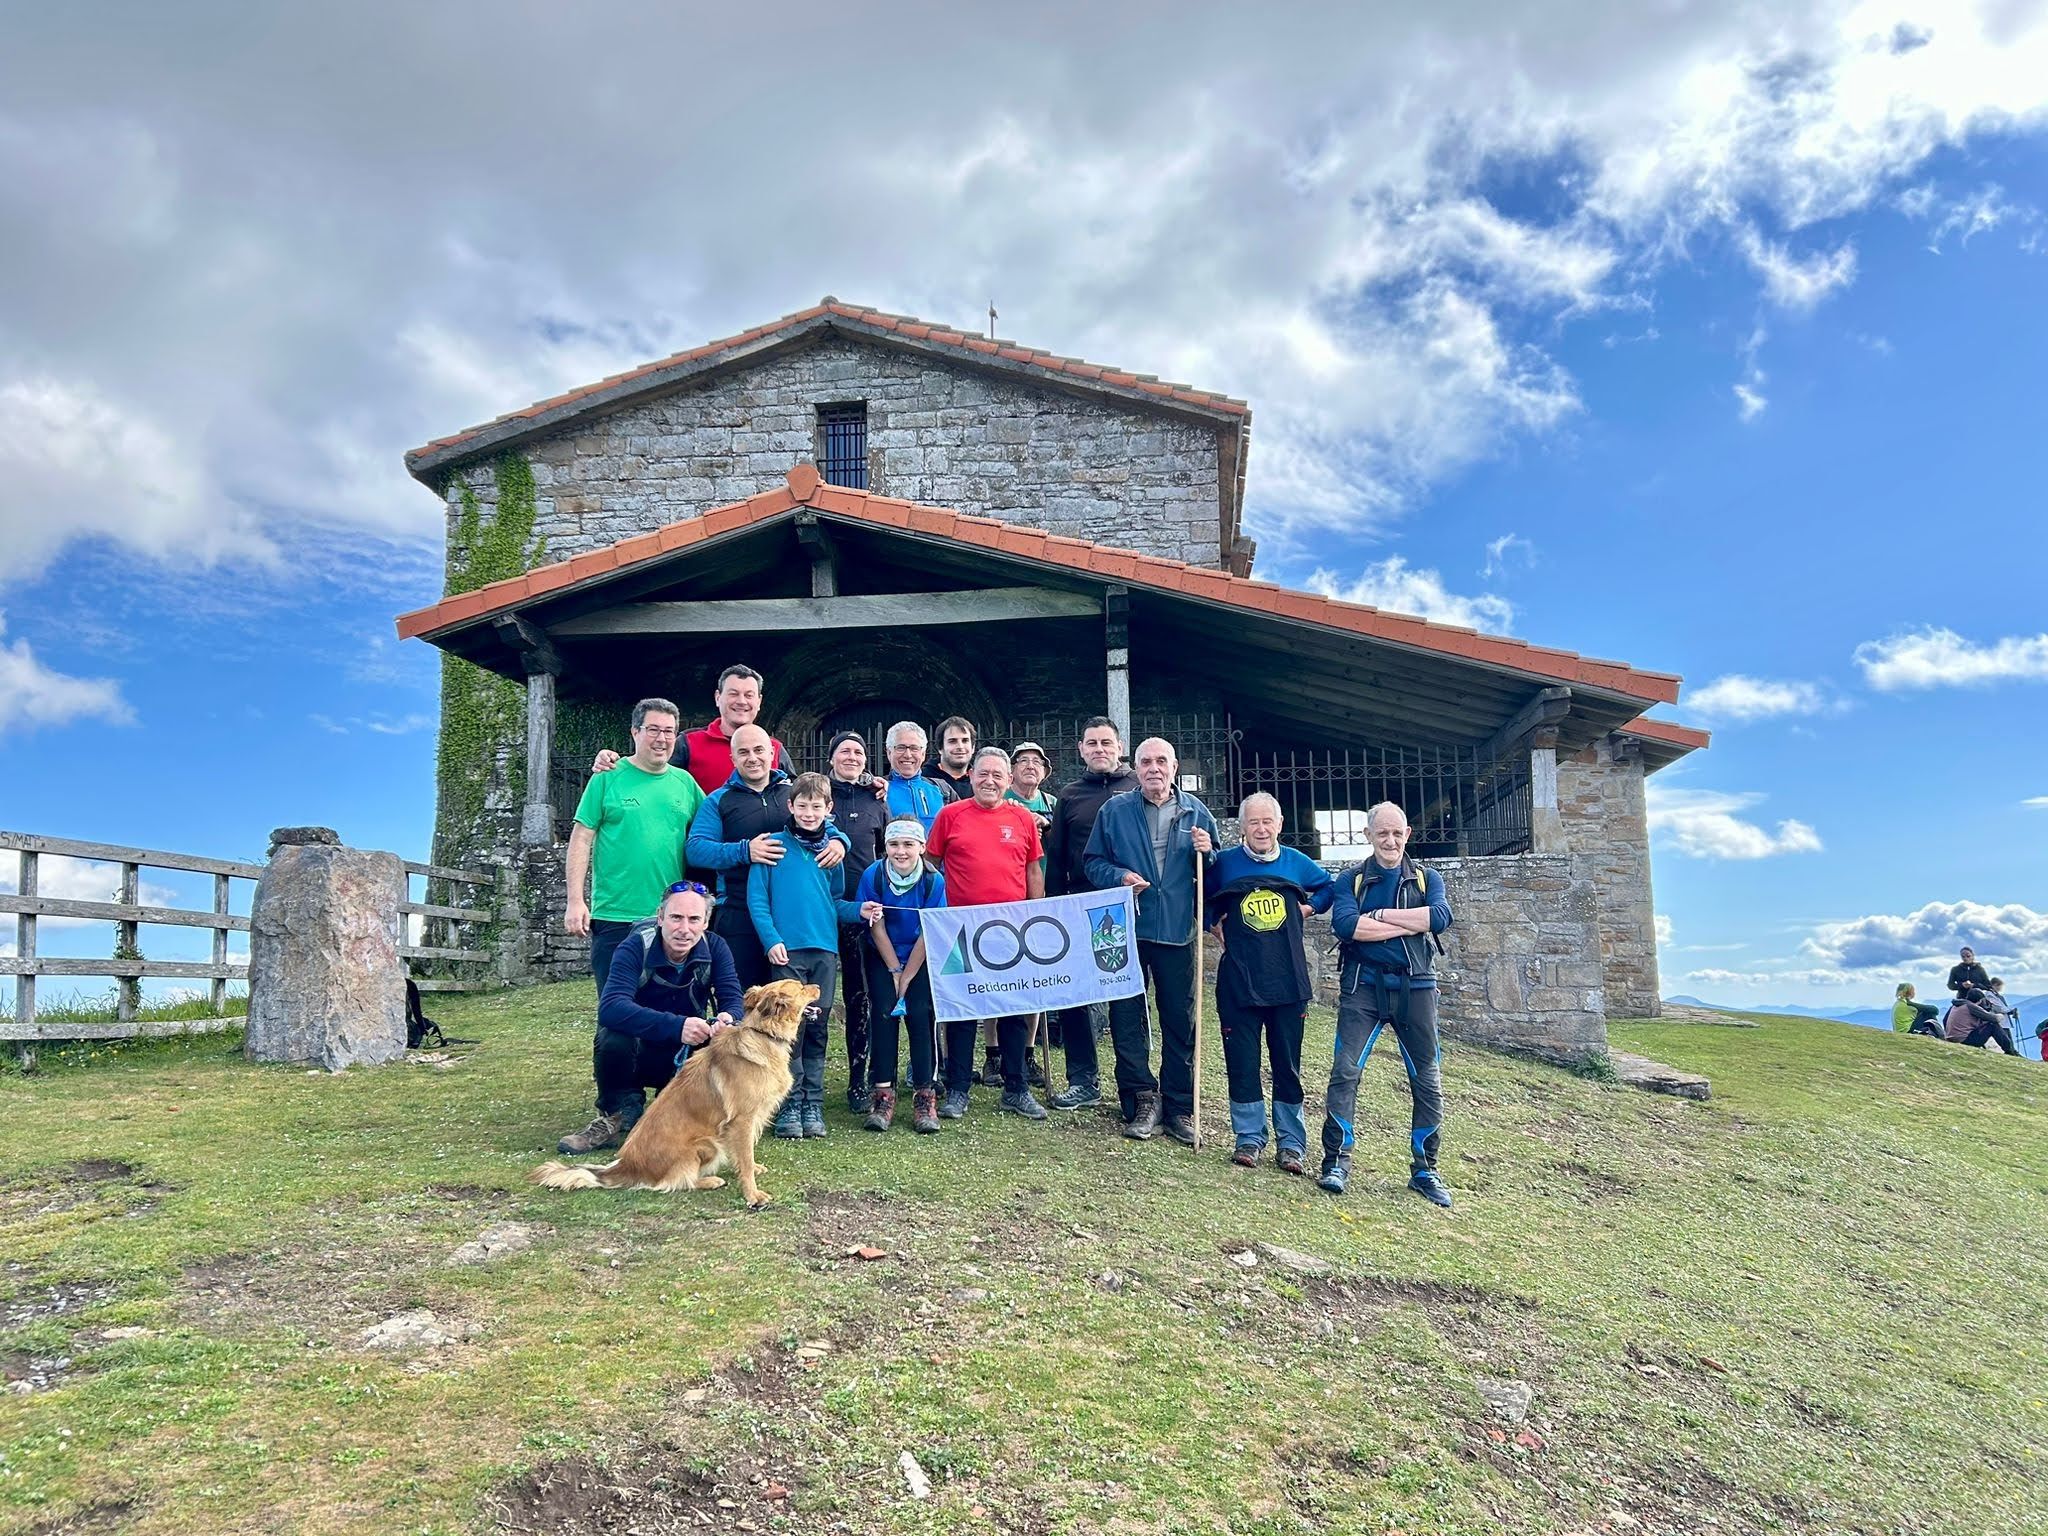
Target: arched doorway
point(867, 681)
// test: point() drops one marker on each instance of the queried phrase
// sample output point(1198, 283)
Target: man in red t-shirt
point(989, 850)
point(707, 751)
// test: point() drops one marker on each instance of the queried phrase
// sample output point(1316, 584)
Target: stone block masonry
point(1600, 801)
point(1522, 969)
point(946, 436)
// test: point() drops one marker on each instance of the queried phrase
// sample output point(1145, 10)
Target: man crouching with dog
point(670, 988)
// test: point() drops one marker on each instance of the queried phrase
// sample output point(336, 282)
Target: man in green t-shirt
point(636, 818)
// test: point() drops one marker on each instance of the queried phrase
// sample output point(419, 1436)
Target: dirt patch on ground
point(1594, 1184)
point(58, 1299)
point(109, 1185)
point(320, 1293)
point(1587, 1490)
point(93, 1520)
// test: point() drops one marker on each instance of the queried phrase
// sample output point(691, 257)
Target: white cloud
point(68, 879)
point(1792, 283)
point(1663, 927)
point(1502, 551)
point(1396, 586)
point(2012, 935)
point(1941, 658)
point(31, 694)
point(1715, 976)
point(375, 723)
point(1750, 400)
point(1979, 213)
point(1737, 696)
point(1704, 824)
point(1749, 404)
point(2036, 802)
point(221, 280)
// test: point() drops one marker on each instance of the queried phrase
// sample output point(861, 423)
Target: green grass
point(105, 1008)
point(1813, 1304)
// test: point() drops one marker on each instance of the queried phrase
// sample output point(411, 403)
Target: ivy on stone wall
point(481, 712)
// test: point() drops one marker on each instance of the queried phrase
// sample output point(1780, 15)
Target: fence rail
point(127, 967)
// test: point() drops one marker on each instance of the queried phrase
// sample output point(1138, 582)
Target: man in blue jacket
point(1149, 838)
point(670, 988)
point(1387, 914)
point(736, 828)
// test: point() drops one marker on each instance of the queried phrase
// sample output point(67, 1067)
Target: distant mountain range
point(2032, 1010)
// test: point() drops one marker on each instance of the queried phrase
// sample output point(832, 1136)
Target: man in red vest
point(707, 751)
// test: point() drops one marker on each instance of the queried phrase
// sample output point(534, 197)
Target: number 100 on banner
point(1032, 956)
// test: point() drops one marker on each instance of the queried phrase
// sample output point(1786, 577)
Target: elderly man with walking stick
point(1154, 839)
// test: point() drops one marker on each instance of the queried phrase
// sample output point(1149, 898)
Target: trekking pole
point(1200, 933)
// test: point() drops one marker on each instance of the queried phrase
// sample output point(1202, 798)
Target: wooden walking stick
point(1201, 931)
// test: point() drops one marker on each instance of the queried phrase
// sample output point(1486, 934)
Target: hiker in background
point(1258, 895)
point(1073, 819)
point(1976, 1018)
point(1966, 972)
point(1910, 1017)
point(1386, 916)
point(670, 988)
point(707, 751)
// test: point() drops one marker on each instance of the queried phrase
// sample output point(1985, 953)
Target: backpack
point(1421, 887)
point(422, 1032)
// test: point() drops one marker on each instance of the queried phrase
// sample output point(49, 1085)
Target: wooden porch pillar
point(543, 666)
point(1116, 643)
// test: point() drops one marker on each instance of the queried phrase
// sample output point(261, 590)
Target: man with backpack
point(671, 987)
point(1387, 915)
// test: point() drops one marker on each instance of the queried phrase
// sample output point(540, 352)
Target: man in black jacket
point(863, 816)
point(1066, 846)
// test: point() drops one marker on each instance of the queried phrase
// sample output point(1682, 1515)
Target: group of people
point(713, 866)
point(1977, 1015)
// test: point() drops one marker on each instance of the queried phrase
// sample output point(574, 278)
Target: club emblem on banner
point(1108, 938)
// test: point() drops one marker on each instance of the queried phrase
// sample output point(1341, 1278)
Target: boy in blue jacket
point(797, 906)
point(1258, 895)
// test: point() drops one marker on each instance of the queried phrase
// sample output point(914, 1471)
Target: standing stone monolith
point(326, 985)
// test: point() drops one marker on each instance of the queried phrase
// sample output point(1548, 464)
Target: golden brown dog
point(711, 1110)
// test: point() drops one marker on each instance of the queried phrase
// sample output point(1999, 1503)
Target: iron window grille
point(843, 445)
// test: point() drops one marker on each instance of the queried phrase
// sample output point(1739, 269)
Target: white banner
point(1032, 956)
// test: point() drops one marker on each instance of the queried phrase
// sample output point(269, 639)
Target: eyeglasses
point(657, 730)
point(689, 887)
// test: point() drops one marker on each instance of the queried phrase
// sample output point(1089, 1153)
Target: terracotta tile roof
point(1666, 731)
point(857, 319)
point(1097, 560)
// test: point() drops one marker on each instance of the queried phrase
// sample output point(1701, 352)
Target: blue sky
point(1710, 347)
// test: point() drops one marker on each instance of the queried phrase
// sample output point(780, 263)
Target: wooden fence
point(128, 967)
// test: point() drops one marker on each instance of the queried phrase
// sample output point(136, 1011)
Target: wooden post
point(1201, 932)
point(126, 945)
point(25, 951)
point(220, 945)
point(1116, 645)
point(537, 821)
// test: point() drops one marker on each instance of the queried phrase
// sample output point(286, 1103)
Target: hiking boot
point(1336, 1173)
point(1077, 1095)
point(1021, 1103)
point(858, 1098)
point(814, 1120)
point(1145, 1118)
point(1289, 1160)
point(1246, 1154)
point(604, 1131)
point(955, 1106)
point(1431, 1188)
point(881, 1107)
point(789, 1122)
point(1034, 1073)
point(991, 1068)
point(1181, 1128)
point(924, 1111)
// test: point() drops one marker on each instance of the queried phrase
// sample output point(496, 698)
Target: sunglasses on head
point(691, 886)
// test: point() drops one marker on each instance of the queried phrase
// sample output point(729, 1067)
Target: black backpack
point(421, 1032)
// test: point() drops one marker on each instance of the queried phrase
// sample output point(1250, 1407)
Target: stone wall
point(946, 436)
point(1522, 968)
point(1600, 801)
